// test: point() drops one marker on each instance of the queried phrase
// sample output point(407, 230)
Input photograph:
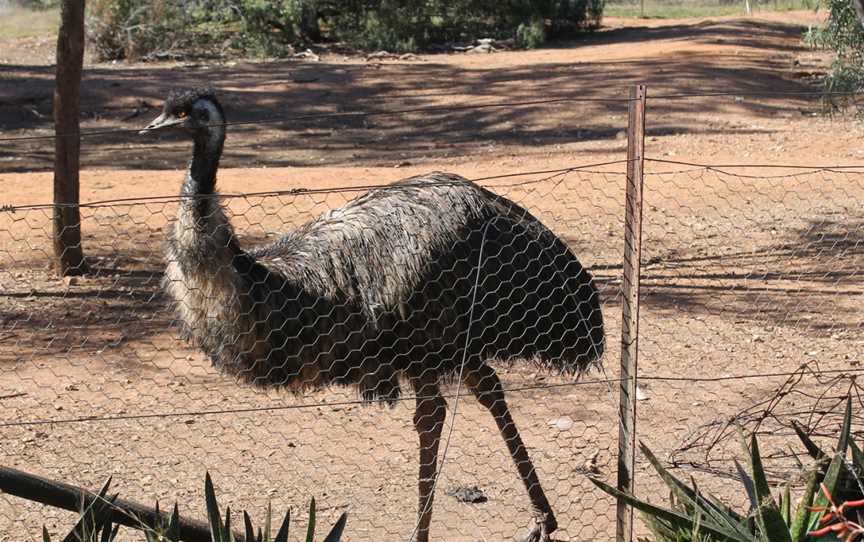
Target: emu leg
point(486, 386)
point(429, 416)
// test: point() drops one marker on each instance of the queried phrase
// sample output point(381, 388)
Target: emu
point(423, 281)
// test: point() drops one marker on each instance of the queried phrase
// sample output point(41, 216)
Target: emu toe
point(538, 533)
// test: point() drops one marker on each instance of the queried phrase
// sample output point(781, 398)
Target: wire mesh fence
point(750, 314)
point(107, 387)
point(747, 271)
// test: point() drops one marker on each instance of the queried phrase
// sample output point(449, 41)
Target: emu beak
point(162, 121)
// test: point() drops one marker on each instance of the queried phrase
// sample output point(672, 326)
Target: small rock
point(473, 494)
point(564, 423)
point(641, 395)
point(309, 55)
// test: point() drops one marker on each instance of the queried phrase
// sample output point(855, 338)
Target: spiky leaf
point(250, 530)
point(693, 500)
point(335, 534)
point(674, 519)
point(227, 534)
point(173, 532)
point(773, 528)
point(45, 536)
point(310, 530)
point(786, 503)
point(857, 458)
point(282, 535)
point(213, 515)
point(843, 443)
point(749, 487)
point(97, 514)
point(812, 448)
point(798, 528)
point(267, 521)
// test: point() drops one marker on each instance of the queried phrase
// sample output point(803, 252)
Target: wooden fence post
point(630, 311)
point(67, 216)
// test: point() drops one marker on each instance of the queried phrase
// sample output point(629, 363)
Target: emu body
point(379, 292)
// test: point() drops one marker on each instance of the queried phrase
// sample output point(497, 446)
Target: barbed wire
point(809, 409)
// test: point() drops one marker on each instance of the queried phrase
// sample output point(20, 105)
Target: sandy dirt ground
point(745, 270)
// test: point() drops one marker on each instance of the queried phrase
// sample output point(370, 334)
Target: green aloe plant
point(698, 516)
point(164, 531)
point(221, 530)
point(94, 524)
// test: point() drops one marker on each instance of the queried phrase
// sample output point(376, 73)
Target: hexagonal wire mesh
point(753, 274)
point(750, 316)
point(101, 384)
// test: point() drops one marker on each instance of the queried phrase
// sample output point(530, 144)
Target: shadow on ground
point(127, 97)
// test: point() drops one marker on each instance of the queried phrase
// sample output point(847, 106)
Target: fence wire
point(751, 316)
point(103, 351)
point(748, 268)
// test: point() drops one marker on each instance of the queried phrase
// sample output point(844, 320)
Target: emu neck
point(201, 180)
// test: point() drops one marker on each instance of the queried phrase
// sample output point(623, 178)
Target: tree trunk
point(67, 144)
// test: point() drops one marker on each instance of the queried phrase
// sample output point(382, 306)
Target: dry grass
point(19, 22)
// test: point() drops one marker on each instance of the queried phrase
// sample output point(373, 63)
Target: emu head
point(193, 111)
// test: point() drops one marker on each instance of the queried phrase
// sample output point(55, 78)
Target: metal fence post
point(630, 311)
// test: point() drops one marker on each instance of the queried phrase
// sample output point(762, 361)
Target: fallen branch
point(73, 498)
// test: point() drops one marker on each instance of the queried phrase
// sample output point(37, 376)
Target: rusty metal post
point(630, 312)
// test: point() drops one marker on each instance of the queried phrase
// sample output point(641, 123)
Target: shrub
point(157, 28)
point(698, 516)
point(38, 4)
point(844, 35)
point(532, 34)
point(121, 29)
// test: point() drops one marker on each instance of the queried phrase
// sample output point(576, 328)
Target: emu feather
point(380, 291)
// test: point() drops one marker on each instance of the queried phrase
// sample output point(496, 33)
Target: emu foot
point(541, 530)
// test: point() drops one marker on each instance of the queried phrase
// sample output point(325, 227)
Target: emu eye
point(181, 115)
